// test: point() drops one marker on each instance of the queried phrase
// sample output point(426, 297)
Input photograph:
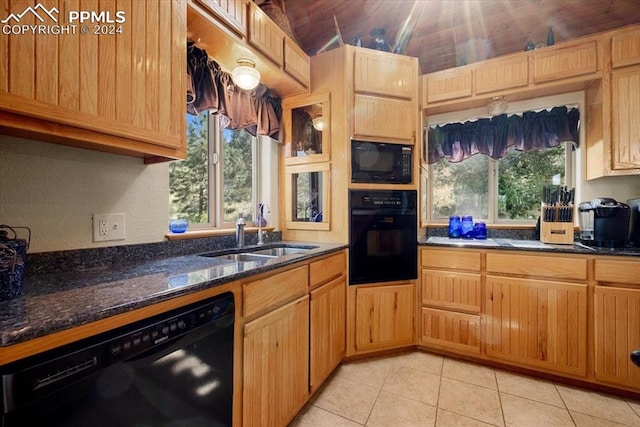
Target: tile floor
point(421, 389)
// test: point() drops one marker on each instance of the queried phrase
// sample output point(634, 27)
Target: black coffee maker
point(634, 223)
point(604, 223)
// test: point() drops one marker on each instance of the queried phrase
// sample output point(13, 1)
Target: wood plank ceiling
point(446, 33)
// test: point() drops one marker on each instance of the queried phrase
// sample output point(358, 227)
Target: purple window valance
point(258, 111)
point(492, 137)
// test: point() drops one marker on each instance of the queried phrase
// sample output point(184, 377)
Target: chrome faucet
point(260, 218)
point(240, 223)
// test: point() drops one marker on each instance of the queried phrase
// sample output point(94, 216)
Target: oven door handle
point(378, 212)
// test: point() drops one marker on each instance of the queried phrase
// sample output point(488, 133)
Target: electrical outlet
point(108, 227)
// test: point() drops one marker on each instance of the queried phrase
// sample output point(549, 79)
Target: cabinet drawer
point(451, 290)
point(451, 259)
point(536, 265)
point(265, 35)
point(458, 331)
point(446, 85)
point(267, 293)
point(562, 63)
point(609, 271)
point(625, 49)
point(502, 74)
point(327, 268)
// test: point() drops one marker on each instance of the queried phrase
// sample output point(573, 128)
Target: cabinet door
point(617, 333)
point(328, 340)
point(127, 86)
point(384, 317)
point(625, 49)
point(449, 329)
point(625, 118)
point(276, 365)
point(232, 12)
point(539, 323)
point(451, 290)
point(446, 85)
point(385, 74)
point(297, 62)
point(556, 63)
point(265, 35)
point(502, 74)
point(385, 118)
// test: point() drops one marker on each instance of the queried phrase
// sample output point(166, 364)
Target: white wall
point(54, 190)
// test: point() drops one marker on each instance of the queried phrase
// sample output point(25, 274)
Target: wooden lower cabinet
point(537, 322)
point(383, 316)
point(276, 365)
point(327, 330)
point(617, 334)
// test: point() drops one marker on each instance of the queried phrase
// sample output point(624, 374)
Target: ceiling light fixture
point(318, 123)
point(497, 105)
point(245, 75)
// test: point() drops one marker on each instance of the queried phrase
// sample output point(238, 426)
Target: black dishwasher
point(172, 369)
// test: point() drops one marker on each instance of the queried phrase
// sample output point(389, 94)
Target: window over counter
point(218, 179)
point(505, 188)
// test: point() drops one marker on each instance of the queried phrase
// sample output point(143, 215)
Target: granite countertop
point(526, 245)
point(57, 301)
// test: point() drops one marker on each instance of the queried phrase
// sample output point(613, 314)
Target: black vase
point(379, 40)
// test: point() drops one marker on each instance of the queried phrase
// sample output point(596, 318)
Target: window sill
point(212, 232)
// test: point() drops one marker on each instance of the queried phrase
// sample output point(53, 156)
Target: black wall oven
point(382, 236)
point(173, 369)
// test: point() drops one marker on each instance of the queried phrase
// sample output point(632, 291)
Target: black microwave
point(381, 163)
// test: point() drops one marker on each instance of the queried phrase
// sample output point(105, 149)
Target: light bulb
point(318, 123)
point(245, 75)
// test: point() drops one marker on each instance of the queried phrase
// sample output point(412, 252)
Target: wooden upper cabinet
point(502, 74)
point(387, 119)
point(385, 74)
point(297, 62)
point(554, 63)
point(232, 12)
point(265, 35)
point(122, 92)
point(625, 49)
point(625, 118)
point(447, 85)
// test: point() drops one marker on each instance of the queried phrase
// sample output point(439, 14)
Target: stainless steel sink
point(260, 254)
point(282, 251)
point(244, 257)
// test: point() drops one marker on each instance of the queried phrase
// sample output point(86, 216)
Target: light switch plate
point(108, 227)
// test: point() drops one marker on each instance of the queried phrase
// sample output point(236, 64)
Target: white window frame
point(572, 169)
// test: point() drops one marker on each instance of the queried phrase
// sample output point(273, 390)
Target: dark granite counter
point(526, 245)
point(55, 301)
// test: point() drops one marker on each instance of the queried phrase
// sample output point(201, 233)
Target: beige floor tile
point(421, 361)
point(635, 405)
point(583, 420)
point(469, 373)
point(528, 387)
point(520, 412)
point(317, 417)
point(371, 372)
point(470, 400)
point(599, 405)
point(417, 385)
point(348, 399)
point(451, 419)
point(398, 411)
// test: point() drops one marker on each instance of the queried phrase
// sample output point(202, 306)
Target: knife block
point(555, 232)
